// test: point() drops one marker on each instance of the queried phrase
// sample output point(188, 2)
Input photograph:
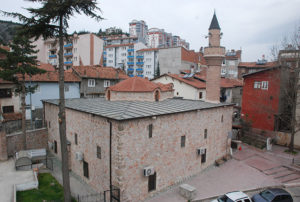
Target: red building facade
point(261, 100)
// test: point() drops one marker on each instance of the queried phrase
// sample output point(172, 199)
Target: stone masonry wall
point(163, 151)
point(35, 139)
point(3, 147)
point(142, 96)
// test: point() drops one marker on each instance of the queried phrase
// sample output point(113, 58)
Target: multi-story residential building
point(138, 29)
point(124, 56)
point(83, 49)
point(112, 30)
point(95, 79)
point(147, 59)
point(173, 60)
point(230, 63)
point(119, 39)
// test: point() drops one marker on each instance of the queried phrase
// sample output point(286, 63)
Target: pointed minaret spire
point(214, 22)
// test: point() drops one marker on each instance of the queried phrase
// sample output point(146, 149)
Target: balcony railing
point(139, 63)
point(69, 45)
point(68, 62)
point(140, 75)
point(68, 54)
point(52, 56)
point(130, 69)
point(131, 75)
point(104, 52)
point(130, 63)
point(139, 70)
point(130, 56)
point(139, 57)
point(130, 50)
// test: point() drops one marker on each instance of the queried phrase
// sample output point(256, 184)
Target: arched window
point(156, 95)
point(108, 95)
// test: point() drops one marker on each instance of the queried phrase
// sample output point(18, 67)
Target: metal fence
point(102, 197)
point(91, 198)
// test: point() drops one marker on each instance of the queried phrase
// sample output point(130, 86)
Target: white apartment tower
point(83, 49)
point(138, 29)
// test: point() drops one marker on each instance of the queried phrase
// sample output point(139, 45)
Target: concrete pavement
point(9, 176)
point(249, 169)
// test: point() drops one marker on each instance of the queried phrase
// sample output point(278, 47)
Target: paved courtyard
point(9, 176)
point(249, 169)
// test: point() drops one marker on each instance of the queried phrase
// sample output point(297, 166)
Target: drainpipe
point(110, 160)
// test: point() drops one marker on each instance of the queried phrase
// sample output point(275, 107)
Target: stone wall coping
point(28, 131)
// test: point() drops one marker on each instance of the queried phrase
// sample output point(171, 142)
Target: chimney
point(214, 55)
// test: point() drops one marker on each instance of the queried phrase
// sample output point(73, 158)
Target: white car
point(235, 196)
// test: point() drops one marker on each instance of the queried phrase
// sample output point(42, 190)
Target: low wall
point(35, 139)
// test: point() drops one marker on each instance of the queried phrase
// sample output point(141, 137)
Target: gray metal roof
point(124, 110)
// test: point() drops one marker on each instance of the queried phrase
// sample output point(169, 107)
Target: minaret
point(214, 55)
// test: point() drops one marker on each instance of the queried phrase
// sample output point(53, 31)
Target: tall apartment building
point(138, 29)
point(124, 56)
point(230, 64)
point(119, 39)
point(158, 38)
point(149, 60)
point(84, 49)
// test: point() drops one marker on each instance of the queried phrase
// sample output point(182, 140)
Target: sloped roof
point(255, 65)
point(52, 76)
point(138, 84)
point(99, 72)
point(126, 110)
point(119, 45)
point(214, 23)
point(46, 67)
point(190, 81)
point(230, 83)
point(148, 49)
point(262, 70)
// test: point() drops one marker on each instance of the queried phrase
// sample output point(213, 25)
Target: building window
point(200, 95)
point(256, 84)
point(37, 89)
point(75, 50)
point(106, 83)
point(203, 157)
point(110, 49)
point(75, 58)
point(205, 133)
point(91, 83)
point(152, 182)
point(76, 139)
point(8, 109)
point(182, 143)
point(150, 128)
point(5, 93)
point(110, 61)
point(98, 152)
point(66, 88)
point(55, 147)
point(85, 169)
point(265, 85)
point(110, 55)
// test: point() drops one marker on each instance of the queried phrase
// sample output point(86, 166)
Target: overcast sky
point(252, 25)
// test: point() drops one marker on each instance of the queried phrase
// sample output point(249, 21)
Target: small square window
point(182, 141)
point(106, 83)
point(200, 95)
point(256, 84)
point(205, 133)
point(91, 83)
point(76, 139)
point(203, 157)
point(98, 152)
point(8, 109)
point(264, 85)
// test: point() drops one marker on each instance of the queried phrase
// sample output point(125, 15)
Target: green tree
point(15, 66)
point(157, 71)
point(51, 21)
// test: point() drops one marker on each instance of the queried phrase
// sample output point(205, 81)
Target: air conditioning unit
point(50, 145)
point(79, 156)
point(148, 171)
point(200, 151)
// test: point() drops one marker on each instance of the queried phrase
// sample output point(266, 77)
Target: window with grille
point(91, 83)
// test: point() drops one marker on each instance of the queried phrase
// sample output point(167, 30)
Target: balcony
point(130, 56)
point(68, 63)
point(130, 50)
point(69, 45)
point(139, 57)
point(139, 63)
point(131, 75)
point(140, 75)
point(52, 56)
point(130, 63)
point(139, 70)
point(104, 52)
point(68, 54)
point(130, 70)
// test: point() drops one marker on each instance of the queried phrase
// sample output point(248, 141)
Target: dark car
point(273, 195)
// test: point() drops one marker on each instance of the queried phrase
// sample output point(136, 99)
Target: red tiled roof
point(190, 81)
point(137, 84)
point(7, 48)
point(230, 83)
point(148, 49)
point(255, 65)
point(46, 67)
point(52, 76)
point(5, 82)
point(189, 55)
point(100, 72)
point(119, 45)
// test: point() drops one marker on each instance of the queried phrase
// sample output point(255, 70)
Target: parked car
point(235, 196)
point(272, 195)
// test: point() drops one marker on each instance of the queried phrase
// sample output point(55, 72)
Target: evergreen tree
point(15, 66)
point(51, 21)
point(157, 71)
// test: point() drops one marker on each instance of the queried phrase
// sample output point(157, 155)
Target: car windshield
point(224, 198)
point(267, 195)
